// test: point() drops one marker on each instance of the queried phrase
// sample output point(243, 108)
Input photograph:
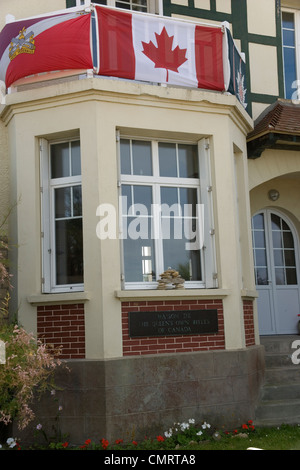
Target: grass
point(285, 437)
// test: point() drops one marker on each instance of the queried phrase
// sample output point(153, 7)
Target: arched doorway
point(276, 261)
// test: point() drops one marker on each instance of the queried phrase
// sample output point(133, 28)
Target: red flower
point(160, 438)
point(134, 443)
point(65, 444)
point(119, 441)
point(105, 443)
point(244, 426)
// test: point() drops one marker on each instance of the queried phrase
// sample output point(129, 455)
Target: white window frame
point(48, 220)
point(205, 198)
point(153, 6)
point(296, 14)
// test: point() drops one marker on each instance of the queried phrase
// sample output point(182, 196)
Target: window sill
point(61, 298)
point(125, 295)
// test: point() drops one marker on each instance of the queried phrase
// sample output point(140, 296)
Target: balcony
point(99, 41)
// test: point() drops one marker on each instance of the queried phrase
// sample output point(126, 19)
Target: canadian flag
point(158, 49)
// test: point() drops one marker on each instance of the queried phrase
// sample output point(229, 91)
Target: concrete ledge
point(128, 397)
point(63, 298)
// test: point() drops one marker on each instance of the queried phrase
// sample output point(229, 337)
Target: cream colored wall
point(288, 202)
point(29, 8)
point(280, 170)
point(261, 17)
point(18, 9)
point(96, 108)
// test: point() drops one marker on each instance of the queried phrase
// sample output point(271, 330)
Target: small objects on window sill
point(170, 279)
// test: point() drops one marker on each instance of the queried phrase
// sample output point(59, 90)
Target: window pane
point(60, 164)
point(260, 257)
point(188, 197)
point(187, 263)
point(275, 222)
point(167, 159)
point(289, 55)
point(169, 195)
point(261, 276)
point(258, 222)
point(125, 157)
point(63, 203)
point(278, 258)
point(259, 239)
point(288, 38)
point(139, 254)
point(288, 20)
point(75, 158)
point(288, 240)
point(279, 274)
point(69, 251)
point(188, 161)
point(141, 158)
point(143, 195)
point(291, 276)
point(127, 198)
point(277, 240)
point(77, 201)
point(289, 257)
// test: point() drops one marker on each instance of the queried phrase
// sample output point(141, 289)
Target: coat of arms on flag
point(23, 44)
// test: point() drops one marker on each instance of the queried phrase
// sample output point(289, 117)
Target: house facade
point(159, 314)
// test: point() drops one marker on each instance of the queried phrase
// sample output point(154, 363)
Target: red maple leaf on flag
point(163, 56)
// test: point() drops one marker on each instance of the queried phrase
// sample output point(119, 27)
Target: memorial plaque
point(172, 323)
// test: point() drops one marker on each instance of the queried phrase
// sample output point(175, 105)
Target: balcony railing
point(114, 42)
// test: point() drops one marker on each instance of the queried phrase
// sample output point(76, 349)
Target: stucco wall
point(93, 109)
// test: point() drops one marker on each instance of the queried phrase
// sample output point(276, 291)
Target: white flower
point(39, 427)
point(199, 433)
point(168, 434)
point(205, 425)
point(191, 421)
point(11, 442)
point(184, 426)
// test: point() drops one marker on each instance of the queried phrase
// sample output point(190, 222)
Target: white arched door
point(276, 261)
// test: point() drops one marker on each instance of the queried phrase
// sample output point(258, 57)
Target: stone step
point(279, 344)
point(282, 375)
point(280, 392)
point(280, 396)
point(278, 412)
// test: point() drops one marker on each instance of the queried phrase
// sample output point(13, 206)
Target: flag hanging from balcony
point(234, 70)
point(159, 49)
point(38, 45)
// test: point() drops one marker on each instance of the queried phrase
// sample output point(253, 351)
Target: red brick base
point(171, 344)
point(249, 323)
point(63, 326)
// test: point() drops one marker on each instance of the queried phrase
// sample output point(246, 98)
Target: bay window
point(163, 211)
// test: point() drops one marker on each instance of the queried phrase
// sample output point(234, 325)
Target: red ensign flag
point(38, 45)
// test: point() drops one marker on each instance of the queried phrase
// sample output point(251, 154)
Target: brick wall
point(63, 326)
point(171, 344)
point(249, 323)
